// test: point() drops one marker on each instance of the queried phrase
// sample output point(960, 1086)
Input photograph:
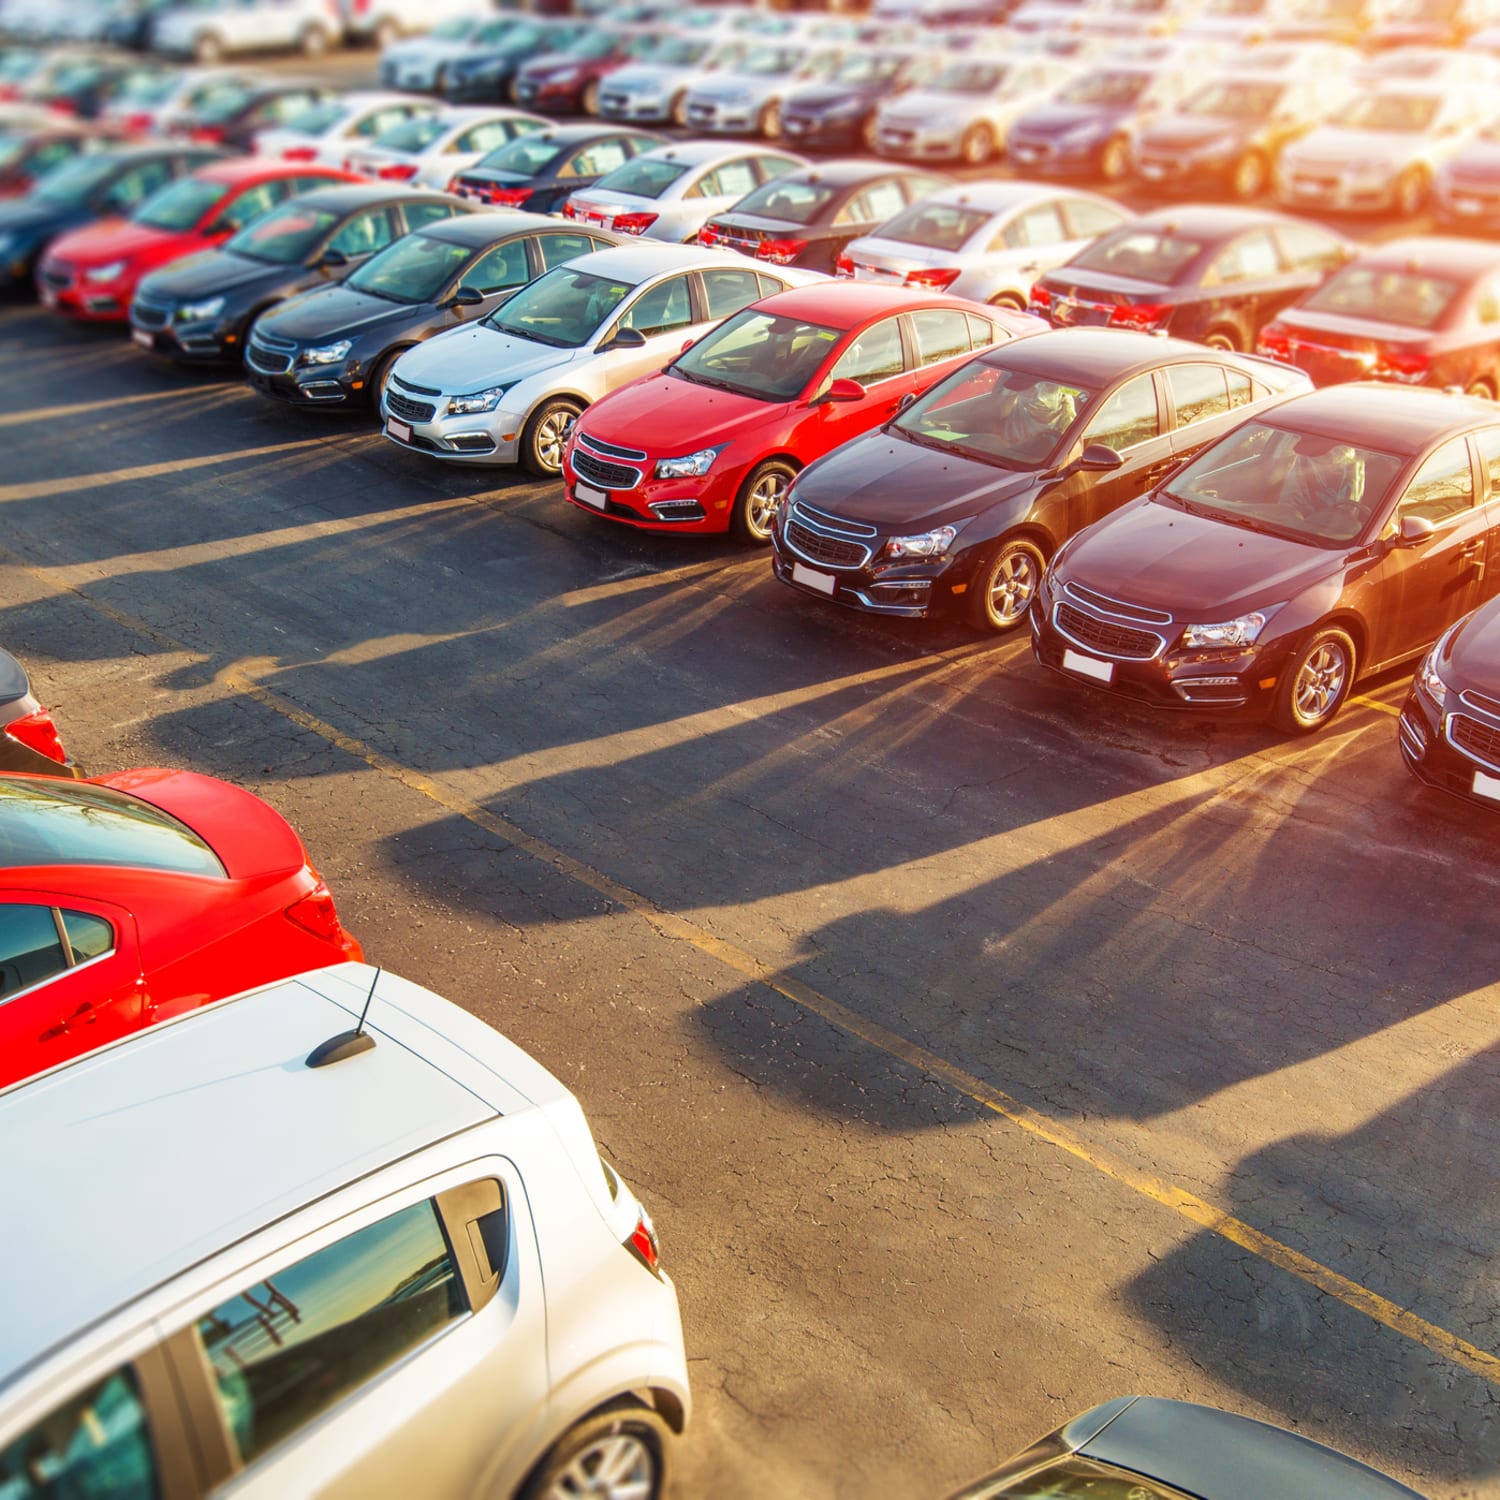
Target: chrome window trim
point(61, 973)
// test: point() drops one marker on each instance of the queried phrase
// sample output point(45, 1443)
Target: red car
point(711, 442)
point(92, 273)
point(131, 898)
point(29, 151)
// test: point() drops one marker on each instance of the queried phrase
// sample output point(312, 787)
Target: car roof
point(578, 135)
point(1222, 1455)
point(847, 171)
point(1394, 419)
point(696, 153)
point(346, 197)
point(1210, 220)
point(1095, 356)
point(246, 169)
point(1000, 196)
point(475, 230)
point(152, 1154)
point(635, 263)
point(1438, 253)
point(845, 304)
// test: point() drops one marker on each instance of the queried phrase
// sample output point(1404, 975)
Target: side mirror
point(839, 390)
point(465, 296)
point(331, 260)
point(1098, 458)
point(1414, 531)
point(625, 338)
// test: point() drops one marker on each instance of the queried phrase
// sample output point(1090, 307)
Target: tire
point(1001, 591)
point(608, 1456)
point(1008, 300)
point(1482, 388)
point(1315, 683)
point(1249, 177)
point(1225, 338)
point(588, 100)
point(381, 379)
point(1114, 160)
point(1411, 192)
point(759, 499)
point(678, 110)
point(545, 434)
point(977, 146)
point(769, 123)
point(208, 49)
point(313, 42)
point(387, 32)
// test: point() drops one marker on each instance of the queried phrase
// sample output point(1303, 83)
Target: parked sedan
point(809, 218)
point(568, 81)
point(837, 111)
point(202, 308)
point(1334, 537)
point(1217, 275)
point(485, 71)
point(983, 240)
point(213, 29)
point(508, 390)
point(336, 346)
point(671, 192)
point(1467, 196)
point(430, 150)
point(29, 151)
point(711, 443)
point(128, 899)
point(958, 504)
point(328, 130)
point(745, 98)
point(29, 740)
point(1421, 311)
point(654, 90)
point(93, 273)
point(538, 170)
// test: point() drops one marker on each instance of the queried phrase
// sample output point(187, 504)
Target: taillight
point(38, 732)
point(1041, 299)
point(398, 171)
point(455, 185)
point(136, 124)
point(843, 266)
point(1141, 315)
point(300, 153)
point(1401, 365)
point(209, 135)
point(634, 223)
point(568, 211)
point(315, 913)
point(708, 235)
point(1273, 343)
point(509, 197)
point(644, 1245)
point(780, 252)
point(938, 279)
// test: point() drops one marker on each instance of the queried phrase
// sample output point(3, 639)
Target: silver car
point(508, 389)
point(432, 149)
point(672, 192)
point(207, 30)
point(986, 241)
point(423, 62)
point(657, 89)
point(746, 99)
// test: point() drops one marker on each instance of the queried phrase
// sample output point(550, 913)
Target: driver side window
point(663, 308)
point(500, 268)
point(1127, 418)
point(875, 355)
point(1442, 487)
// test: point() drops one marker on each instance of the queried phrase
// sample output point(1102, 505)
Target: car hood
point(1332, 145)
point(822, 98)
point(640, 79)
point(549, 64)
point(1048, 121)
point(897, 485)
point(739, 85)
point(1479, 161)
point(1475, 650)
point(672, 416)
point(1153, 554)
point(331, 312)
point(119, 239)
point(471, 357)
point(29, 217)
point(1188, 133)
point(210, 273)
point(918, 107)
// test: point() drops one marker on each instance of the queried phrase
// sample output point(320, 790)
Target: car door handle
point(1473, 555)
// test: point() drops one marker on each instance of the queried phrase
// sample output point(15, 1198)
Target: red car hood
point(672, 416)
point(119, 239)
point(251, 838)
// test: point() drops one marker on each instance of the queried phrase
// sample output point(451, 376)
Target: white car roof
point(634, 264)
point(150, 1155)
point(998, 197)
point(701, 153)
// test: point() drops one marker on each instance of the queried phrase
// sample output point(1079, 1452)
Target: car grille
point(149, 315)
point(1108, 640)
point(614, 101)
point(407, 409)
point(414, 388)
point(610, 450)
point(270, 356)
point(1478, 740)
point(600, 472)
point(1093, 599)
point(824, 538)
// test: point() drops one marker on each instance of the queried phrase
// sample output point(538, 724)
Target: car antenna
point(346, 1043)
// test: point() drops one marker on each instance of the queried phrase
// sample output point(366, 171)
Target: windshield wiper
point(535, 338)
point(710, 382)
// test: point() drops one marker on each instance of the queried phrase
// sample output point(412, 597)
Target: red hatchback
point(92, 273)
point(128, 899)
point(727, 425)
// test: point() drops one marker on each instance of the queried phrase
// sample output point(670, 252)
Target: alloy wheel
point(617, 1466)
point(1320, 682)
point(764, 501)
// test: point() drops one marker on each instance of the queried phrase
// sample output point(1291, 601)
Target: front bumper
point(719, 117)
point(619, 484)
point(1456, 751)
point(1175, 174)
point(65, 291)
point(1330, 188)
point(823, 134)
point(651, 109)
point(1464, 207)
point(918, 142)
point(412, 419)
point(561, 98)
point(1048, 159)
point(274, 371)
point(154, 328)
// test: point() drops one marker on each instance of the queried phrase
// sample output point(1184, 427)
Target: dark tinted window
point(47, 824)
point(728, 291)
point(365, 233)
point(418, 214)
point(788, 198)
point(500, 267)
point(556, 248)
point(1146, 254)
point(940, 226)
point(1386, 294)
point(940, 335)
point(289, 1347)
point(1442, 487)
point(1126, 418)
point(30, 950)
point(1198, 392)
point(88, 936)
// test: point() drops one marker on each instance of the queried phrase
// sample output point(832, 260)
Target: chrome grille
point(415, 389)
point(1478, 740)
point(1481, 702)
point(1112, 606)
point(266, 361)
point(149, 315)
point(602, 473)
point(407, 409)
point(821, 537)
point(1107, 639)
point(610, 450)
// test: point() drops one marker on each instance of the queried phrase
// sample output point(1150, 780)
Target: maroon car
point(567, 82)
point(1420, 311)
point(1330, 538)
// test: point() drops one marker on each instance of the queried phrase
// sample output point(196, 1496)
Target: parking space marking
point(79, 408)
point(1386, 708)
point(1185, 1204)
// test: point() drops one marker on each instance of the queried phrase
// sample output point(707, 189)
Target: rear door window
point(500, 268)
point(875, 355)
point(1041, 225)
point(418, 214)
point(726, 292)
point(1442, 487)
point(1127, 418)
point(940, 335)
point(31, 951)
point(556, 248)
point(1198, 392)
point(365, 233)
point(1252, 257)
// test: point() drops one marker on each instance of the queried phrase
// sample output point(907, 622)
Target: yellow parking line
point(1392, 709)
point(1185, 1204)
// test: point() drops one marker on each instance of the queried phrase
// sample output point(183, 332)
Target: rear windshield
point(317, 118)
point(1143, 254)
point(939, 226)
point(42, 823)
point(1386, 295)
point(643, 176)
point(526, 156)
point(786, 198)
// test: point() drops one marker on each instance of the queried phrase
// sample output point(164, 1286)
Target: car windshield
point(644, 176)
point(936, 226)
point(1235, 100)
point(1105, 87)
point(1081, 1479)
point(758, 354)
point(222, 104)
point(1406, 113)
point(414, 269)
point(526, 156)
point(862, 67)
point(970, 77)
point(1009, 418)
point(1154, 255)
point(44, 823)
point(286, 237)
point(1305, 486)
point(1386, 295)
point(77, 181)
point(770, 62)
point(788, 198)
point(317, 118)
point(179, 205)
point(563, 309)
point(415, 133)
point(681, 51)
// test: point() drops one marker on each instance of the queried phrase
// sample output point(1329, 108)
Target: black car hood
point(212, 273)
point(820, 98)
point(901, 486)
point(33, 219)
point(334, 312)
point(1047, 121)
point(1473, 654)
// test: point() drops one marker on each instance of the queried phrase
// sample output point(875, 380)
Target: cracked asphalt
point(789, 897)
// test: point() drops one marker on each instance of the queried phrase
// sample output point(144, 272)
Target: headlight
point(1430, 680)
point(200, 312)
point(114, 270)
point(926, 544)
point(328, 354)
point(690, 466)
point(1243, 631)
point(477, 401)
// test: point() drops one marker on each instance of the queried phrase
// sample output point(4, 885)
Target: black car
point(29, 151)
point(202, 307)
point(28, 737)
point(806, 218)
point(83, 87)
point(566, 82)
point(335, 346)
point(484, 73)
point(1218, 275)
point(838, 112)
point(96, 185)
point(537, 171)
point(1133, 1444)
point(960, 501)
point(231, 114)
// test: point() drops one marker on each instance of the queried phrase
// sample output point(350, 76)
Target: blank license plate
point(825, 583)
point(1086, 666)
point(1487, 786)
point(401, 431)
point(590, 496)
point(49, 297)
point(143, 338)
point(1467, 205)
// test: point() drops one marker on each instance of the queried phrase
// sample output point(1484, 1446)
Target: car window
point(1127, 417)
point(500, 267)
point(1309, 249)
point(662, 308)
point(1489, 459)
point(88, 936)
point(278, 111)
point(1041, 225)
point(365, 233)
point(31, 950)
point(251, 204)
point(1198, 392)
point(875, 355)
point(1251, 257)
point(940, 335)
point(1088, 218)
point(769, 167)
point(96, 1443)
point(769, 285)
point(596, 160)
point(1242, 390)
point(1442, 487)
point(981, 331)
point(556, 248)
point(418, 214)
point(483, 137)
point(734, 178)
point(879, 202)
point(136, 185)
point(286, 1349)
point(381, 120)
point(728, 291)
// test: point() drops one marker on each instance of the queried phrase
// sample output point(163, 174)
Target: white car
point(416, 62)
point(400, 1269)
point(672, 192)
point(656, 90)
point(386, 21)
point(432, 149)
point(986, 241)
point(508, 389)
point(207, 30)
point(327, 131)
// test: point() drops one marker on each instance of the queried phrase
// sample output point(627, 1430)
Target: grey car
point(656, 90)
point(746, 99)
